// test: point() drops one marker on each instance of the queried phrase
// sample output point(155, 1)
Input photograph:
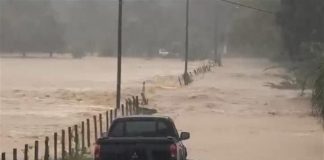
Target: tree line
point(89, 26)
point(30, 26)
point(302, 29)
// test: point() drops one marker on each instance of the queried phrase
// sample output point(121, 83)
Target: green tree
point(31, 26)
point(302, 24)
point(253, 32)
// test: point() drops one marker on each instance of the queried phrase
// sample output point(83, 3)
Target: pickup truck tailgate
point(135, 149)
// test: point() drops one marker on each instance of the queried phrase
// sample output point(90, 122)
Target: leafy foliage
point(30, 26)
point(318, 93)
point(302, 24)
point(255, 33)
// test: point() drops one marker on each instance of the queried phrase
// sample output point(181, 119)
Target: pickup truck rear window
point(142, 128)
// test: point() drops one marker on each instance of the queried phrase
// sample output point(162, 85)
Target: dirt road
point(233, 115)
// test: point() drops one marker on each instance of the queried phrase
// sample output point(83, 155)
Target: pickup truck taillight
point(173, 150)
point(97, 152)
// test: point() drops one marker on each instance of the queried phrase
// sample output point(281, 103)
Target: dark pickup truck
point(142, 138)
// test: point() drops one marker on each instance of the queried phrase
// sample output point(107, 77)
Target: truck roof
point(143, 116)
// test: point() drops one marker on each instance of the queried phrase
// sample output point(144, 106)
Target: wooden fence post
point(127, 109)
point(144, 99)
point(26, 152)
point(111, 116)
point(55, 146)
point(134, 105)
point(131, 109)
point(46, 155)
point(82, 138)
point(123, 110)
point(88, 133)
point(143, 88)
point(137, 105)
point(107, 121)
point(70, 141)
point(100, 125)
point(95, 127)
point(3, 156)
point(63, 144)
point(14, 154)
point(76, 139)
point(36, 151)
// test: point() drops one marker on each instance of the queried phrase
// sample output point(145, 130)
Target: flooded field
point(40, 95)
point(234, 105)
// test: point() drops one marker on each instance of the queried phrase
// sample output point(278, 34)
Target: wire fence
point(197, 71)
point(77, 140)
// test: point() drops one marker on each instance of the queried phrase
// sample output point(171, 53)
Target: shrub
point(318, 93)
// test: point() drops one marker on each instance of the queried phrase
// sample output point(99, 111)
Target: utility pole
point(216, 57)
point(2, 25)
point(217, 35)
point(220, 33)
point(119, 57)
point(186, 76)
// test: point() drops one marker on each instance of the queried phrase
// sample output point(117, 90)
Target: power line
point(247, 6)
point(174, 1)
point(226, 1)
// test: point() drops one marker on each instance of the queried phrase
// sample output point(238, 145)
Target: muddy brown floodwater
point(232, 112)
point(40, 95)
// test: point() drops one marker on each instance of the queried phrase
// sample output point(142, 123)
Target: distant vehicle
point(163, 52)
point(142, 138)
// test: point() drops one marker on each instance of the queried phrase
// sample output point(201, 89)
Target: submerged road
point(233, 114)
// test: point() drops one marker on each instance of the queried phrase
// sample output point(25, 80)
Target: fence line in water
point(77, 140)
point(78, 137)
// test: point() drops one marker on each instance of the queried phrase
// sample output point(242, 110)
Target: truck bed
point(135, 148)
